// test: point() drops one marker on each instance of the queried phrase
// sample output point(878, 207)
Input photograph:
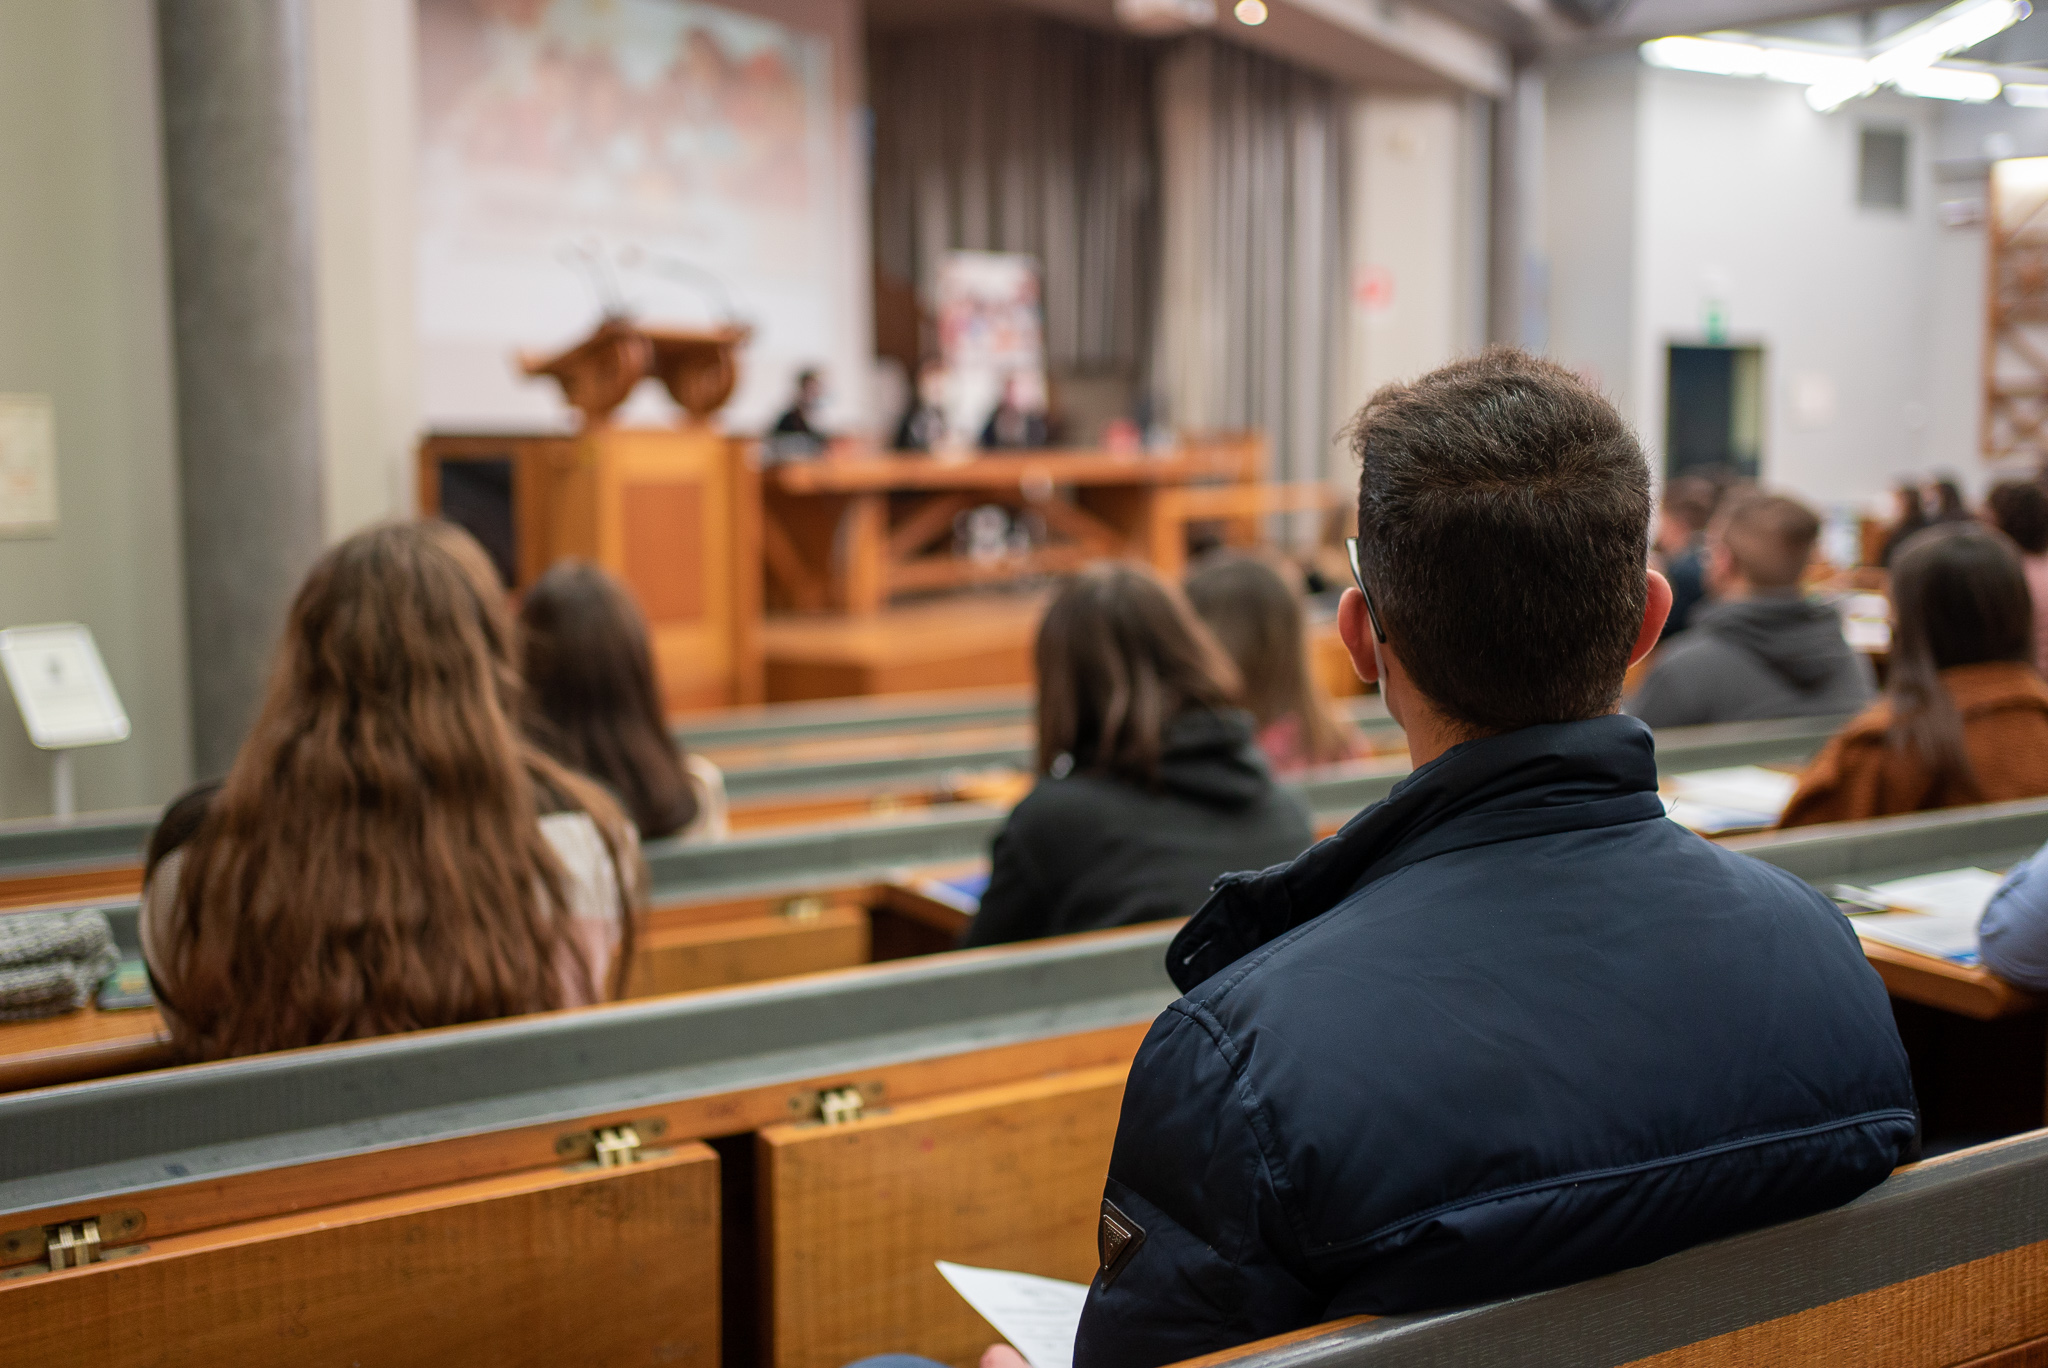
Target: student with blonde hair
point(387, 852)
point(1259, 622)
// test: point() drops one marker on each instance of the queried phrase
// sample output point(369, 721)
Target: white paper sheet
point(1038, 1316)
point(1942, 911)
point(1739, 788)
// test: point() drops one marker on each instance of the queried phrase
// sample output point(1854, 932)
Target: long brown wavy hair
point(1120, 655)
point(1959, 597)
point(591, 697)
point(374, 861)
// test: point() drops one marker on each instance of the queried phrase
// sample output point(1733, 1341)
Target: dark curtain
point(1032, 136)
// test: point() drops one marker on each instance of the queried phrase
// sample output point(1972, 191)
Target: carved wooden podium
point(673, 512)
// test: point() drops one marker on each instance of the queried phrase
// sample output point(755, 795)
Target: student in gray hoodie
point(1761, 649)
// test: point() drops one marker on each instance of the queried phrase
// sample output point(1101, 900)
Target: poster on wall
point(674, 160)
point(28, 465)
point(991, 335)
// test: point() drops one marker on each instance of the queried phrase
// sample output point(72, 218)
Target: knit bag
point(52, 962)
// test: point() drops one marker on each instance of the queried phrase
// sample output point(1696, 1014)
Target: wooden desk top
point(84, 1044)
point(1963, 989)
point(878, 472)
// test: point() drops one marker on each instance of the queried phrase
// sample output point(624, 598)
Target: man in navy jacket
point(1510, 1027)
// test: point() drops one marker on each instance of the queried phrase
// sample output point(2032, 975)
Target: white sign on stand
point(66, 699)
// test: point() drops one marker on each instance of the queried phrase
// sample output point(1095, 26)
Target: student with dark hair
point(1260, 624)
point(1151, 781)
point(1948, 501)
point(387, 852)
point(1510, 1027)
point(1964, 718)
point(1912, 518)
point(1682, 517)
point(593, 703)
point(1760, 648)
point(2019, 508)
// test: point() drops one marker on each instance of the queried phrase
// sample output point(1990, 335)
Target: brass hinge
point(69, 1244)
point(831, 1106)
point(808, 908)
point(611, 1146)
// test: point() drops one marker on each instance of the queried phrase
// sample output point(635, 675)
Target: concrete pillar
point(239, 182)
point(1519, 300)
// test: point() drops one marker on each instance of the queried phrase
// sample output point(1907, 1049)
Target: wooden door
point(547, 1267)
point(854, 1215)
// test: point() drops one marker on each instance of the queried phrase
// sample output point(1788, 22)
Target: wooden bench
point(1944, 1265)
point(332, 1198)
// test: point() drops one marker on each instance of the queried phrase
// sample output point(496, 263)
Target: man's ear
point(1656, 608)
point(1354, 629)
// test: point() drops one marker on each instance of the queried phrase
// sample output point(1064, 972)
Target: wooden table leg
point(862, 555)
point(1146, 517)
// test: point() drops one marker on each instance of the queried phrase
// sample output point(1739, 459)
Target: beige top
point(595, 901)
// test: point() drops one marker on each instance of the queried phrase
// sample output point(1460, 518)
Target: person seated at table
point(1260, 623)
point(1018, 421)
point(1964, 717)
point(2019, 508)
point(1511, 1027)
point(924, 422)
point(593, 703)
point(796, 432)
point(1151, 781)
point(1760, 648)
point(387, 852)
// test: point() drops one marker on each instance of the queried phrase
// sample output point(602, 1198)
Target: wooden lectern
point(673, 512)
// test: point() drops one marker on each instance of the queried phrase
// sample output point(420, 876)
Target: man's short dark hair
point(2020, 508)
point(1503, 521)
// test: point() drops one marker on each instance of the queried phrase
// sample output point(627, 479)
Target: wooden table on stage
point(848, 533)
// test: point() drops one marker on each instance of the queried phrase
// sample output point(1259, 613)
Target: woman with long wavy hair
point(387, 852)
point(1964, 718)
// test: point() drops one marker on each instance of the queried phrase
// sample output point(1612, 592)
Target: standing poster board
point(61, 686)
point(990, 331)
point(66, 699)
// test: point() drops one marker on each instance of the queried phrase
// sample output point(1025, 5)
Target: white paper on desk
point(1713, 821)
point(1739, 788)
point(1942, 913)
point(1038, 1316)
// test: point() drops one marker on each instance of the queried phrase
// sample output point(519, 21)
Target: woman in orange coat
point(1964, 718)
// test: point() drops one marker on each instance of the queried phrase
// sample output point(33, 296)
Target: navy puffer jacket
point(1508, 1029)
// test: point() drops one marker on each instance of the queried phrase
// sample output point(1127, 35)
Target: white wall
point(1666, 188)
point(364, 91)
point(1416, 224)
point(84, 318)
point(1745, 189)
point(1592, 221)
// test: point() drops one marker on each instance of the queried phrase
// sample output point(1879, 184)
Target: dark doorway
point(1713, 411)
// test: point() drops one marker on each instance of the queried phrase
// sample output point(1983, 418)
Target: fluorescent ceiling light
point(1948, 83)
point(2027, 96)
point(1800, 67)
point(1705, 54)
point(1960, 26)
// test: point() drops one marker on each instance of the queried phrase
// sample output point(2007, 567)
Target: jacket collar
point(1564, 776)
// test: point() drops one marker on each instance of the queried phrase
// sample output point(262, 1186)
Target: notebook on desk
point(962, 892)
point(1933, 914)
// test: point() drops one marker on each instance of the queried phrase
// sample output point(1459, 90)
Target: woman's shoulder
point(180, 822)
